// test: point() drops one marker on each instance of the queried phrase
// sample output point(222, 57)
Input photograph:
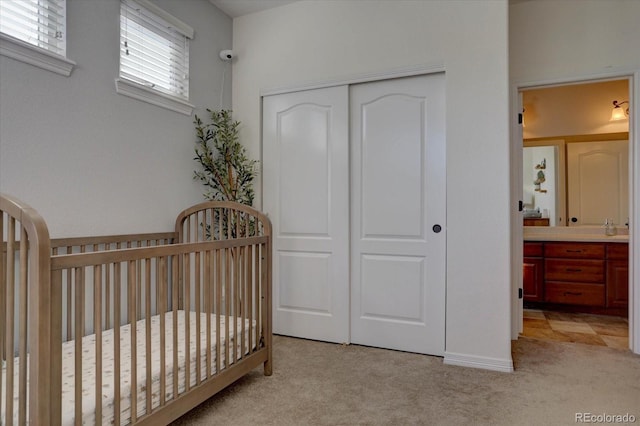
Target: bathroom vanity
point(577, 270)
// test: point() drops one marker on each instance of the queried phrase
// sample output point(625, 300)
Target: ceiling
point(235, 8)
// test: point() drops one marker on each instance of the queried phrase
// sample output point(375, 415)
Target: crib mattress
point(108, 365)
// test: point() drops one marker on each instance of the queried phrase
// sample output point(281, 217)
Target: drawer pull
point(574, 270)
point(572, 293)
point(573, 251)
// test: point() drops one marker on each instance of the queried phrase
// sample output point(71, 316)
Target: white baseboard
point(495, 364)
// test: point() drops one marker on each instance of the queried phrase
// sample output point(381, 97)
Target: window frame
point(143, 92)
point(23, 51)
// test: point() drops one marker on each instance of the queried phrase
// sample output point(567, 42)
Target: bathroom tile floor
point(601, 330)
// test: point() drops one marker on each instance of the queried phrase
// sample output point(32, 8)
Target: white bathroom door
point(598, 182)
point(305, 193)
point(398, 229)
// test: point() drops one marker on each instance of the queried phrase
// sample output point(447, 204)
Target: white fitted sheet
point(108, 365)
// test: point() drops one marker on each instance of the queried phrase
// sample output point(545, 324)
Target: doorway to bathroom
point(576, 175)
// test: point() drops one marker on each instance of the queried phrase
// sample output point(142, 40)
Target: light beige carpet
point(318, 383)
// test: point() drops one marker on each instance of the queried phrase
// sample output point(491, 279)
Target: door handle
point(437, 228)
point(574, 219)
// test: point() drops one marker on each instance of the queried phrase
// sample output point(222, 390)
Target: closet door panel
point(396, 171)
point(304, 169)
point(305, 192)
point(397, 196)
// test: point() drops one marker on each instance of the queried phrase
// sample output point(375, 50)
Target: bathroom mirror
point(575, 157)
point(575, 183)
point(543, 178)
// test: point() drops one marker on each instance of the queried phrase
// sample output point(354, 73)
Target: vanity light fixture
point(619, 113)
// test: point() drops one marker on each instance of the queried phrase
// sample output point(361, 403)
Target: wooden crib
point(130, 329)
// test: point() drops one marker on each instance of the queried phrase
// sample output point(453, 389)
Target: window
point(34, 31)
point(154, 55)
point(38, 22)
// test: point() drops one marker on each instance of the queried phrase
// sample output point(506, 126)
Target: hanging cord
point(224, 71)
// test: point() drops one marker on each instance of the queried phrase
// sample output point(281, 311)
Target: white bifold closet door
point(354, 182)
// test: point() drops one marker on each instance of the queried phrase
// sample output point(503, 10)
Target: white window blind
point(154, 48)
point(38, 22)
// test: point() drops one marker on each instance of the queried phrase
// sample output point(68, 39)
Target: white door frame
point(634, 201)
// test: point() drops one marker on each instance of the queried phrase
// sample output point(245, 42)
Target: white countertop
point(577, 234)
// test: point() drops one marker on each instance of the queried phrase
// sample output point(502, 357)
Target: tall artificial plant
point(225, 170)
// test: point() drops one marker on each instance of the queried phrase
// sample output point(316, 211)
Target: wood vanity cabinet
point(593, 275)
point(574, 273)
point(532, 273)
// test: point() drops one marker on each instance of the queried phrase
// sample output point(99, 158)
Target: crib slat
point(139, 288)
point(69, 300)
point(132, 303)
point(218, 284)
point(227, 296)
point(188, 231)
point(79, 331)
point(107, 301)
point(176, 293)
point(236, 296)
point(208, 305)
point(162, 309)
point(249, 297)
point(54, 354)
point(198, 296)
point(256, 286)
point(147, 310)
point(117, 306)
point(187, 327)
point(246, 322)
point(238, 220)
point(239, 314)
point(97, 326)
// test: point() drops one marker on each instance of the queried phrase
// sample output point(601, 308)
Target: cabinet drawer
point(618, 251)
point(574, 270)
point(532, 249)
point(575, 294)
point(574, 250)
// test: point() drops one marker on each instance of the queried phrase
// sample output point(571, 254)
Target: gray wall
point(314, 41)
point(92, 161)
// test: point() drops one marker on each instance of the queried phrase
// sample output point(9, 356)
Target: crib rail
point(110, 242)
point(29, 314)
